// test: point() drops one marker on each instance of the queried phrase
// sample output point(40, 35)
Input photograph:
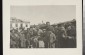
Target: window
point(26, 25)
point(16, 25)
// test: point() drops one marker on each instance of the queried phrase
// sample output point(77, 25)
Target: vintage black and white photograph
point(43, 26)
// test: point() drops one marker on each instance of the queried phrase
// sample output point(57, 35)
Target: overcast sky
point(37, 14)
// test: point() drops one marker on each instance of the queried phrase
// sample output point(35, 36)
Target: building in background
point(17, 23)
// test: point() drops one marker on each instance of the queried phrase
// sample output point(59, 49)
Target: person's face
point(48, 23)
point(20, 30)
point(62, 28)
point(69, 27)
point(56, 27)
point(37, 28)
point(13, 30)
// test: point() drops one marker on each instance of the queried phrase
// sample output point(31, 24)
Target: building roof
point(14, 19)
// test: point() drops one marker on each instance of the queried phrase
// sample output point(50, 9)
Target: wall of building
point(18, 25)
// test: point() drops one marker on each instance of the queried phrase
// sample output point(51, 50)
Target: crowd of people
point(59, 36)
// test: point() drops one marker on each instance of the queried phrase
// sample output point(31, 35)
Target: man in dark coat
point(61, 37)
point(48, 26)
point(71, 32)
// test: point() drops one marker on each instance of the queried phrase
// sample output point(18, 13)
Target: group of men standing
point(49, 37)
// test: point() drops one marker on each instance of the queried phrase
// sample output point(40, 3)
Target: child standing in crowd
point(41, 43)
